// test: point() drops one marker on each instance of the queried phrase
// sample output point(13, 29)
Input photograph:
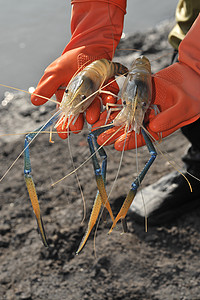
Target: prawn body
point(136, 99)
point(136, 95)
point(86, 85)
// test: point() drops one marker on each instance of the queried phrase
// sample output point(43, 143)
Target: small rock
point(4, 242)
point(4, 228)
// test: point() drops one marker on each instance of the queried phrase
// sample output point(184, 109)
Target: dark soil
point(161, 264)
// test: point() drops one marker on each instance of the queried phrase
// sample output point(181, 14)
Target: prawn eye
point(144, 104)
point(66, 91)
point(83, 97)
point(124, 102)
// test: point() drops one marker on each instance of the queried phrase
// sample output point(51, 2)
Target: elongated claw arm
point(101, 176)
point(135, 185)
point(93, 218)
point(35, 204)
point(99, 173)
point(29, 179)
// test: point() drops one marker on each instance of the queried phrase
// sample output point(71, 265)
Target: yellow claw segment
point(36, 208)
point(124, 209)
point(93, 217)
point(104, 197)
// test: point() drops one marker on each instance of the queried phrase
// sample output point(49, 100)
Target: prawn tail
point(110, 68)
point(118, 69)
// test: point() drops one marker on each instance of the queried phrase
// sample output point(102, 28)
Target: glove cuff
point(96, 28)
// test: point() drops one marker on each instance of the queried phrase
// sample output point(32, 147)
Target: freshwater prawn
point(79, 94)
point(136, 97)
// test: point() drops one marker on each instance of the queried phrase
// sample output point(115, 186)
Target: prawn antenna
point(77, 178)
point(27, 92)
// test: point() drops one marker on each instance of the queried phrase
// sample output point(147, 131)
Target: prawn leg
point(29, 179)
point(135, 185)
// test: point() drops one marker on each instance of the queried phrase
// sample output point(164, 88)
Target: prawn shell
point(136, 95)
point(87, 84)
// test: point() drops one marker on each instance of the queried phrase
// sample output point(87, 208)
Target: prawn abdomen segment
point(105, 69)
point(118, 69)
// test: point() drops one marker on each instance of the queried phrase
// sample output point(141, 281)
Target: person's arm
point(176, 92)
point(96, 28)
point(186, 13)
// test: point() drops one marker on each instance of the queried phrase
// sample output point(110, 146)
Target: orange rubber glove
point(96, 28)
point(176, 92)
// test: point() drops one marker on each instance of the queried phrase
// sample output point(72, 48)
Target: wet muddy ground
point(160, 264)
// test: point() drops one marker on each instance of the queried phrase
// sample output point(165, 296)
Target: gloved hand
point(176, 92)
point(96, 31)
